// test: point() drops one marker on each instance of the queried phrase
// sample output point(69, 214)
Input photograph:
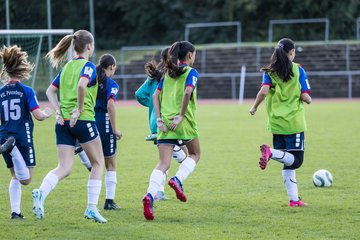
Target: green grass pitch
point(229, 197)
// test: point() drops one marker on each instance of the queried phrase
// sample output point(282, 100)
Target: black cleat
point(8, 145)
point(111, 205)
point(78, 149)
point(15, 215)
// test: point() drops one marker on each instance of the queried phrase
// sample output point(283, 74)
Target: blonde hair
point(15, 64)
point(79, 40)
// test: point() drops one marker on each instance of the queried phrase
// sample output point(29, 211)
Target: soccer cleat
point(160, 196)
point(265, 156)
point(16, 216)
point(8, 145)
point(151, 137)
point(78, 149)
point(175, 184)
point(148, 203)
point(111, 205)
point(297, 203)
point(94, 214)
point(38, 204)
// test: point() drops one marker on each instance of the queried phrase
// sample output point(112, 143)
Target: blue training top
point(17, 101)
point(106, 90)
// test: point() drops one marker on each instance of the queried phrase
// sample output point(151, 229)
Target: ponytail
point(79, 39)
point(57, 55)
point(15, 64)
point(156, 70)
point(280, 62)
point(178, 51)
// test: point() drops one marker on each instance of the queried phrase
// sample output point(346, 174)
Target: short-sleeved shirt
point(108, 89)
point(171, 96)
point(67, 82)
point(303, 80)
point(17, 101)
point(191, 80)
point(283, 103)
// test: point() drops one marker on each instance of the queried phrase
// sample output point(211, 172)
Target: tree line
point(159, 22)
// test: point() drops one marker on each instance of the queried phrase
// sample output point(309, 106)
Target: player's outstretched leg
point(265, 156)
point(38, 204)
point(175, 184)
point(148, 203)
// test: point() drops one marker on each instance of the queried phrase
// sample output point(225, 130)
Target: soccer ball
point(322, 178)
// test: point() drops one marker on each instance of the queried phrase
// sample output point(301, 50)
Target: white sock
point(110, 182)
point(185, 168)
point(20, 168)
point(162, 186)
point(178, 154)
point(48, 184)
point(283, 157)
point(15, 195)
point(290, 184)
point(84, 159)
point(156, 178)
point(94, 188)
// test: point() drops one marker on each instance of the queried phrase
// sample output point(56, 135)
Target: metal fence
point(348, 69)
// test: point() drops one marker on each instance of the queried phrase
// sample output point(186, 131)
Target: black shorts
point(83, 131)
point(294, 144)
point(178, 142)
point(28, 154)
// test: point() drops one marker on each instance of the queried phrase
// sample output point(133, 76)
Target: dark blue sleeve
point(113, 89)
point(31, 98)
point(266, 79)
point(89, 71)
point(192, 78)
point(160, 85)
point(305, 86)
point(56, 82)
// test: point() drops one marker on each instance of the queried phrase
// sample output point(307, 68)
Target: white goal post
point(36, 42)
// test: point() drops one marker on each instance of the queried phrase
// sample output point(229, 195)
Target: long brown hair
point(15, 64)
point(155, 70)
point(280, 62)
point(178, 51)
point(79, 39)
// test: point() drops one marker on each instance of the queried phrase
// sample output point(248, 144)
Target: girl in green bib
point(77, 85)
point(175, 107)
point(285, 87)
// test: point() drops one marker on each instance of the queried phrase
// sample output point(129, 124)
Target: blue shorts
point(83, 131)
point(108, 142)
point(178, 142)
point(27, 152)
point(292, 142)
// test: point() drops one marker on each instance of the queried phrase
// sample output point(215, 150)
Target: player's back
point(15, 114)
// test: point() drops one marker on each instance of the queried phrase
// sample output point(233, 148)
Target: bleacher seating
point(313, 58)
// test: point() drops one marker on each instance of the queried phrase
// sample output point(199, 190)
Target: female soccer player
point(75, 120)
point(285, 87)
point(105, 116)
point(17, 101)
point(144, 96)
point(175, 106)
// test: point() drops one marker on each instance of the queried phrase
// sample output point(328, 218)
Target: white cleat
point(38, 204)
point(94, 214)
